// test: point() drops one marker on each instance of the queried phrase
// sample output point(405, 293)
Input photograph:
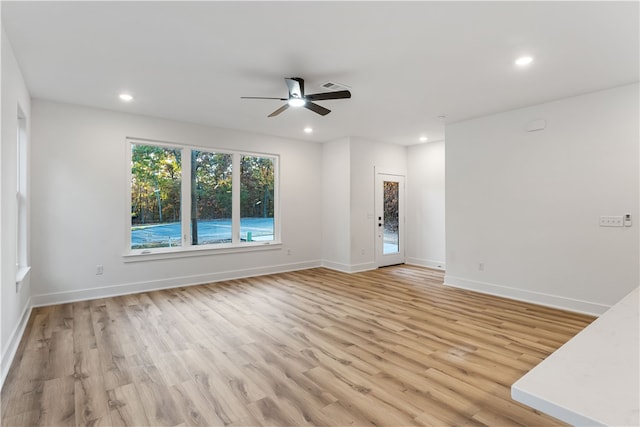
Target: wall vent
point(334, 86)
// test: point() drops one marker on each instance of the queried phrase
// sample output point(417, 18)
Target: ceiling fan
point(297, 98)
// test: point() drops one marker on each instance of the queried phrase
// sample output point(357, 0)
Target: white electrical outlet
point(611, 221)
point(481, 266)
point(99, 270)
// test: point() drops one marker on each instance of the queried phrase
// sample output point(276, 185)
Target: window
point(22, 261)
point(184, 198)
point(256, 198)
point(156, 175)
point(211, 197)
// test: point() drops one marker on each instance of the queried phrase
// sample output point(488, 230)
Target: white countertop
point(594, 378)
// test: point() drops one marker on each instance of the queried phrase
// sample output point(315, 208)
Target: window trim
point(187, 249)
point(200, 250)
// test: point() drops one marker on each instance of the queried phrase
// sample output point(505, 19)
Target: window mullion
point(185, 214)
point(235, 199)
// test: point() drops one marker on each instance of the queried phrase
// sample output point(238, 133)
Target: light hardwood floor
point(388, 347)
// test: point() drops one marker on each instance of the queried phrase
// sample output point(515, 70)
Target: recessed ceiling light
point(423, 139)
point(308, 130)
point(524, 60)
point(297, 102)
point(126, 97)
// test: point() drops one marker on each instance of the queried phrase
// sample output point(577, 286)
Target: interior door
point(390, 219)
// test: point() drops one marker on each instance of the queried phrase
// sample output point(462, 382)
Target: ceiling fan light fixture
point(297, 102)
point(524, 61)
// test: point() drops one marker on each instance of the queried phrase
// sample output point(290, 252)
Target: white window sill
point(195, 251)
point(22, 274)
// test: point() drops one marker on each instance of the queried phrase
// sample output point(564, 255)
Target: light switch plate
point(611, 221)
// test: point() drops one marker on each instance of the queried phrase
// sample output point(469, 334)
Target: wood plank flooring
point(389, 347)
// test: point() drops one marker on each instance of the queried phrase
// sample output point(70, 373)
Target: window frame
point(187, 249)
point(23, 266)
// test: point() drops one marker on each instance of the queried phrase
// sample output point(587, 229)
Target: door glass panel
point(391, 243)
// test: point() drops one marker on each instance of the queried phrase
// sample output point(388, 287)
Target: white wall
point(367, 158)
point(15, 304)
point(425, 205)
point(527, 204)
point(80, 194)
point(336, 193)
point(349, 190)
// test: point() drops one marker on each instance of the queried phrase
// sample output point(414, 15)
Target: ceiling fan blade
point(279, 110)
point(341, 94)
point(316, 108)
point(296, 87)
point(262, 97)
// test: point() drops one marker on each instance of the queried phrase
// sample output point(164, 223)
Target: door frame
point(381, 259)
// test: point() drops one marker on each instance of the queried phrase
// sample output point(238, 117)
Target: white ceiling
point(406, 62)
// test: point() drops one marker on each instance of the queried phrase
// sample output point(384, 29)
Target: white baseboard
point(349, 268)
point(337, 266)
point(14, 341)
point(174, 282)
point(365, 266)
point(539, 298)
point(429, 263)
